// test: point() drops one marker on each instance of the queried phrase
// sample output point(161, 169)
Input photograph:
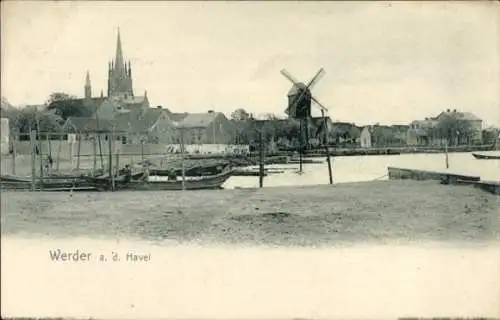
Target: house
point(466, 127)
point(76, 107)
point(365, 137)
point(344, 133)
point(203, 128)
point(399, 132)
point(109, 109)
point(90, 126)
point(380, 136)
point(4, 136)
point(489, 136)
point(151, 125)
point(318, 132)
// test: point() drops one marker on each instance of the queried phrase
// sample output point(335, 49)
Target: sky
point(384, 62)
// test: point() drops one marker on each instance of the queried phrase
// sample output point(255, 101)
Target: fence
point(66, 149)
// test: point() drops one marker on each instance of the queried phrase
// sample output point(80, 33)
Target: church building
point(120, 93)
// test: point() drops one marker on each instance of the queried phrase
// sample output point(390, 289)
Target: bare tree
point(240, 115)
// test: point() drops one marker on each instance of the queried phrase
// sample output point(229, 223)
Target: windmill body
point(299, 109)
point(300, 101)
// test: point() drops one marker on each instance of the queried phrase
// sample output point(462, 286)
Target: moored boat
point(190, 183)
point(486, 155)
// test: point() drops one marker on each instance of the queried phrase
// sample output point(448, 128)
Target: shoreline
point(353, 212)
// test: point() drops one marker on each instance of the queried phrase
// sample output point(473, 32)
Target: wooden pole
point(142, 151)
point(446, 154)
point(182, 161)
point(33, 159)
point(261, 160)
point(51, 163)
point(110, 162)
point(117, 159)
point(100, 151)
point(14, 155)
point(40, 153)
point(94, 155)
point(301, 141)
point(59, 151)
point(326, 148)
point(79, 141)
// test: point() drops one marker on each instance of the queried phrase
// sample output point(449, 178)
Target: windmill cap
point(295, 88)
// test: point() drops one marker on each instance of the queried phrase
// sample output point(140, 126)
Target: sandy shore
point(317, 215)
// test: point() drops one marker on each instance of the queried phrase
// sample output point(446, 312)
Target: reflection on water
point(366, 168)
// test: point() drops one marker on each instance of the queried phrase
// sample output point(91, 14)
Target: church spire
point(88, 87)
point(119, 66)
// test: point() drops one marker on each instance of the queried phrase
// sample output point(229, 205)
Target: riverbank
point(172, 161)
point(358, 151)
point(378, 211)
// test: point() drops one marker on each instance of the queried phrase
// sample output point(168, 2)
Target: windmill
point(300, 100)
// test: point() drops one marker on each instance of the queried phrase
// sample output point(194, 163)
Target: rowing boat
point(486, 156)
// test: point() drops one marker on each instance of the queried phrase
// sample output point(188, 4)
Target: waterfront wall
point(69, 148)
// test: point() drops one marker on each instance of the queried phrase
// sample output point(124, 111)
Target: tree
point(240, 115)
point(32, 118)
point(489, 136)
point(454, 130)
point(59, 96)
point(66, 106)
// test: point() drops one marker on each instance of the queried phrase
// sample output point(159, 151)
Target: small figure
point(172, 175)
point(128, 174)
point(49, 159)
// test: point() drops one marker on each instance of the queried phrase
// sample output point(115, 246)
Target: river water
point(367, 168)
point(432, 275)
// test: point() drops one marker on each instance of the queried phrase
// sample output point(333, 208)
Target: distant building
point(469, 126)
point(457, 127)
point(120, 93)
point(365, 137)
point(344, 133)
point(381, 136)
point(4, 136)
point(420, 132)
point(203, 128)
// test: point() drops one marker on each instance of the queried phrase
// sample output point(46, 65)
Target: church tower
point(119, 75)
point(88, 87)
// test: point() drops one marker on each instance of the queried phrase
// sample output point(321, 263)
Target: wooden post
point(446, 154)
point(110, 162)
point(117, 165)
point(33, 160)
point(326, 148)
point(14, 156)
point(261, 160)
point(100, 151)
point(70, 151)
point(301, 141)
point(94, 155)
point(142, 151)
point(40, 153)
point(49, 145)
point(79, 141)
point(182, 161)
point(59, 151)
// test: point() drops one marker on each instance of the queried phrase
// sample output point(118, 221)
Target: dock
point(447, 178)
point(396, 173)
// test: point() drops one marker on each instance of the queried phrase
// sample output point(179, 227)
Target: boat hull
point(202, 183)
point(485, 156)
